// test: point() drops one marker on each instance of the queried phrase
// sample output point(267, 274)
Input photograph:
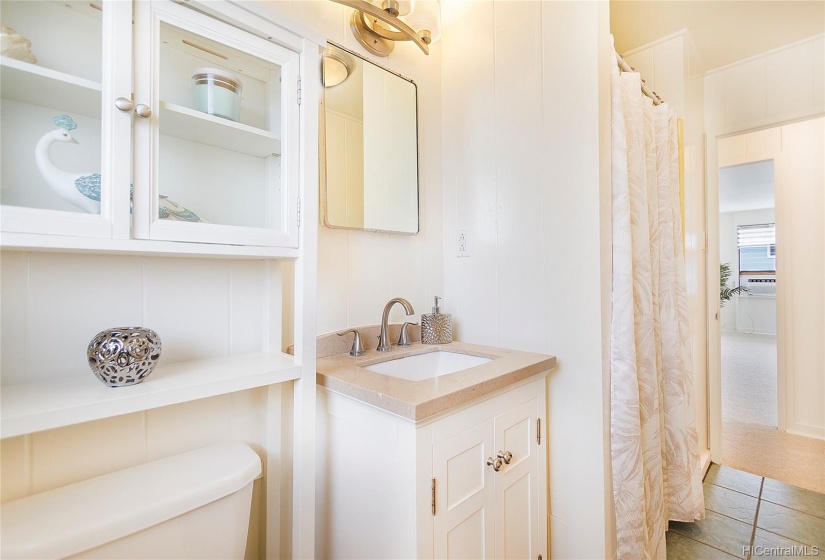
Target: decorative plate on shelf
point(171, 210)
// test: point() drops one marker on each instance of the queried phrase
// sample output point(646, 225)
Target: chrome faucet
point(384, 344)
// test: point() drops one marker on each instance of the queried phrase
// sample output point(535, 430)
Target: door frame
point(783, 334)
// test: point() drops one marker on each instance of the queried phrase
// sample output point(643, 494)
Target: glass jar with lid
point(217, 92)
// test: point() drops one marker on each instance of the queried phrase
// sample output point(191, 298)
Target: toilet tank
point(192, 505)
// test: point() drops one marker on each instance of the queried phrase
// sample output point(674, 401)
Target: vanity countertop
point(419, 400)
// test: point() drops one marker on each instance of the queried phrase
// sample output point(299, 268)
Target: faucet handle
point(357, 347)
point(404, 339)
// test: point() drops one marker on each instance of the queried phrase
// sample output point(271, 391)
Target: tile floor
point(749, 516)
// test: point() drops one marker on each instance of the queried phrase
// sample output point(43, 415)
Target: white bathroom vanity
point(450, 466)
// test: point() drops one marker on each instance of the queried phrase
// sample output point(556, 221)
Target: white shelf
point(188, 124)
point(35, 407)
point(29, 83)
point(67, 244)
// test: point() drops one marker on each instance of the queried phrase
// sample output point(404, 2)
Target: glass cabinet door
point(220, 132)
point(58, 85)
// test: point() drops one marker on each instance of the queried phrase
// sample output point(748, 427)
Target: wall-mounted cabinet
point(65, 179)
point(189, 134)
point(190, 140)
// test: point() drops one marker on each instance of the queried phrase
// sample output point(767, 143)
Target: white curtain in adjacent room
point(654, 443)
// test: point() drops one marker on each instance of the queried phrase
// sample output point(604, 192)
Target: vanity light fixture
point(337, 67)
point(378, 24)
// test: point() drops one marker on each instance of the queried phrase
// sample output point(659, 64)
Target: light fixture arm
point(404, 33)
point(383, 31)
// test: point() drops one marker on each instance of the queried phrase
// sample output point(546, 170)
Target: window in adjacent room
point(757, 248)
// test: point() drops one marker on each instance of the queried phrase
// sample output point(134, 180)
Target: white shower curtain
point(654, 443)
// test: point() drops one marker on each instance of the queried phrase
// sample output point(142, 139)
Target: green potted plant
point(725, 293)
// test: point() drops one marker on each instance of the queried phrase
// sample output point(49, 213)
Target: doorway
point(747, 292)
point(771, 325)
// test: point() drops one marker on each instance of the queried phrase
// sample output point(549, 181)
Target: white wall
point(345, 169)
point(390, 152)
point(800, 207)
point(358, 272)
point(729, 253)
point(525, 177)
point(52, 306)
point(662, 66)
point(671, 67)
point(526, 172)
point(781, 86)
point(45, 460)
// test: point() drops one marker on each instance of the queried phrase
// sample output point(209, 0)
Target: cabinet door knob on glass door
point(124, 105)
point(143, 111)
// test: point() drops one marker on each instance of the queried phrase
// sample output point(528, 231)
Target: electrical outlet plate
point(463, 242)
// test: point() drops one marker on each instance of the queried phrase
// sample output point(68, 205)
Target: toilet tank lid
point(70, 519)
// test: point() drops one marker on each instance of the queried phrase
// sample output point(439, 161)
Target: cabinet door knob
point(496, 464)
point(506, 456)
point(123, 104)
point(143, 111)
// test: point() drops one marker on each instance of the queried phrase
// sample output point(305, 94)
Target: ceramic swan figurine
point(79, 189)
point(83, 189)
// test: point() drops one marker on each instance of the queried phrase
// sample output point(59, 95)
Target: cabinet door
point(464, 517)
point(516, 485)
point(216, 155)
point(65, 159)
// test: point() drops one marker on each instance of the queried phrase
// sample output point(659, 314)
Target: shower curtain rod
point(625, 67)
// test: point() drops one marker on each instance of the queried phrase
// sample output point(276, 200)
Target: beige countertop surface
point(419, 400)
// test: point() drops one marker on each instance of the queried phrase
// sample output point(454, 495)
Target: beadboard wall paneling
point(524, 154)
point(54, 303)
point(46, 460)
point(800, 225)
point(779, 87)
point(358, 272)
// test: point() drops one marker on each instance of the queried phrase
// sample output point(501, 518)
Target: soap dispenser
point(436, 327)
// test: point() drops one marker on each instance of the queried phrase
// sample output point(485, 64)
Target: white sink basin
point(427, 366)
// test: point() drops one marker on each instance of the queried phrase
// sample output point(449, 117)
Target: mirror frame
point(322, 151)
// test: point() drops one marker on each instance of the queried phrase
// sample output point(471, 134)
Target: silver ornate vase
point(124, 356)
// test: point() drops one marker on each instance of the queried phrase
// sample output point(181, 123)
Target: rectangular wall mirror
point(369, 146)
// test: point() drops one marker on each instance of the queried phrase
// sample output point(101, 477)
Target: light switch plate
point(463, 240)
